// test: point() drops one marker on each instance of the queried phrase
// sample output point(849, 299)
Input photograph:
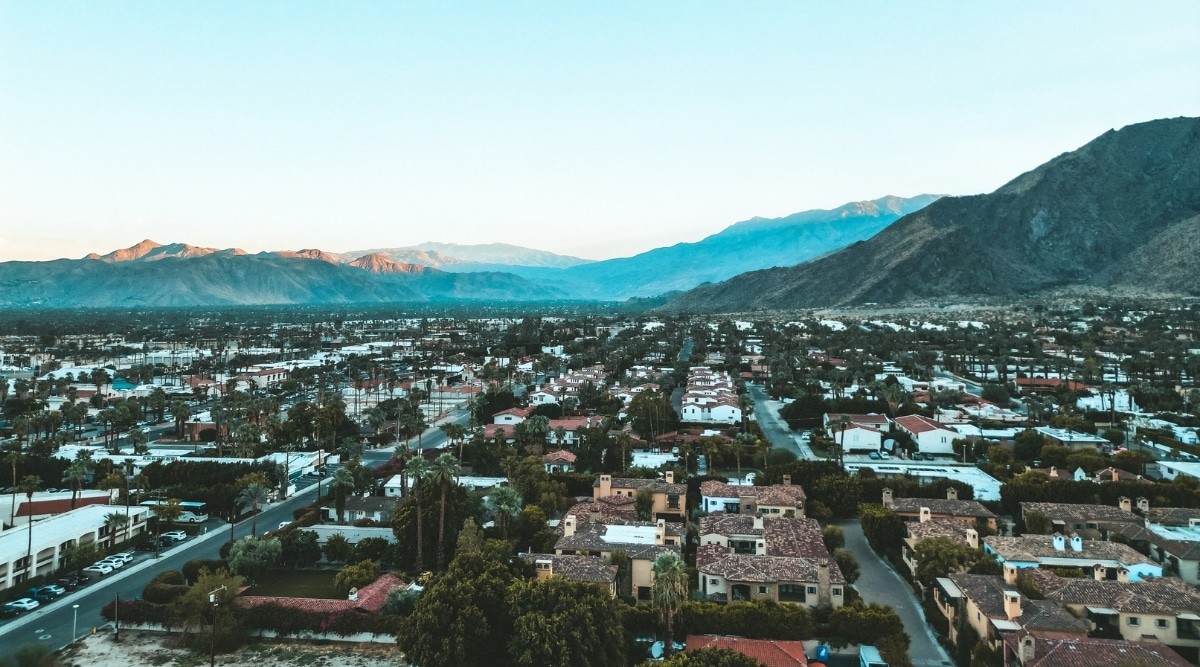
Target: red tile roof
point(770, 652)
point(371, 598)
point(919, 424)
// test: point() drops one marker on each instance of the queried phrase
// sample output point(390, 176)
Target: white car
point(24, 604)
point(99, 568)
point(175, 535)
point(125, 556)
point(114, 563)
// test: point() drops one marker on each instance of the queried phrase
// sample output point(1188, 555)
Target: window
point(712, 582)
point(812, 590)
point(1133, 620)
point(762, 590)
point(837, 591)
point(1164, 623)
point(673, 502)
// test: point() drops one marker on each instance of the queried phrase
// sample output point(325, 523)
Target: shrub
point(191, 569)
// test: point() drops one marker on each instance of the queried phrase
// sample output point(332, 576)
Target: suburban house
point(374, 508)
point(968, 512)
point(559, 461)
point(931, 437)
point(511, 416)
point(743, 557)
point(928, 528)
point(710, 396)
point(1074, 440)
point(1046, 385)
point(1061, 551)
point(769, 652)
point(1164, 610)
point(1091, 521)
point(993, 608)
point(1034, 649)
point(669, 498)
point(785, 499)
point(641, 542)
point(586, 569)
point(861, 432)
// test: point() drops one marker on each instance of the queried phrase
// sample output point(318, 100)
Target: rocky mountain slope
point(1122, 212)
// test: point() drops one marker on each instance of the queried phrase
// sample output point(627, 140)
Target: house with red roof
point(930, 437)
point(861, 432)
point(770, 652)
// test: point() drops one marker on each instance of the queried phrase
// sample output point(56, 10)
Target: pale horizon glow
point(589, 129)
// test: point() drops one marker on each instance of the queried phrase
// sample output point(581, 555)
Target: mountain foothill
point(1120, 214)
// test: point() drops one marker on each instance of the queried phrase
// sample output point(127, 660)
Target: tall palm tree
point(418, 470)
point(13, 457)
point(29, 484)
point(113, 521)
point(443, 474)
point(75, 475)
point(340, 486)
point(504, 503)
point(670, 591)
point(254, 495)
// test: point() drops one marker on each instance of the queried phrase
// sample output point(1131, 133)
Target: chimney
point(1143, 505)
point(1125, 504)
point(1027, 651)
point(1116, 477)
point(1060, 543)
point(569, 525)
point(1123, 575)
point(670, 477)
point(951, 493)
point(660, 532)
point(824, 584)
point(787, 480)
point(887, 499)
point(1010, 574)
point(973, 538)
point(1054, 471)
point(926, 515)
point(1099, 572)
point(605, 489)
point(353, 597)
point(1012, 605)
point(758, 522)
point(1076, 542)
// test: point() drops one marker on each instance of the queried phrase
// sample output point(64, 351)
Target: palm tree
point(75, 475)
point(113, 521)
point(843, 424)
point(504, 503)
point(670, 590)
point(418, 470)
point(180, 411)
point(29, 484)
point(13, 457)
point(443, 474)
point(340, 486)
point(254, 495)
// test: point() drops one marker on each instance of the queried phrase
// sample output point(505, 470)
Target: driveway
point(774, 429)
point(878, 582)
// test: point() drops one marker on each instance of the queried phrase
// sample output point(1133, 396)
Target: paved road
point(51, 624)
point(777, 432)
point(878, 582)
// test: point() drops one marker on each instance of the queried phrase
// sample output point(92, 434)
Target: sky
point(595, 129)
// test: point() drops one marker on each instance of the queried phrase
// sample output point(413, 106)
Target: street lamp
point(212, 599)
point(75, 624)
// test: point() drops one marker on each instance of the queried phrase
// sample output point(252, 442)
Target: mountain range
point(1122, 213)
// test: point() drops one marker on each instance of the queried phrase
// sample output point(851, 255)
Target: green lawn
point(296, 584)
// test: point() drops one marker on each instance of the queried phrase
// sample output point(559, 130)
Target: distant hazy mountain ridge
point(1122, 212)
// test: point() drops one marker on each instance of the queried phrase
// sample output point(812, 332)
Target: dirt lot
point(151, 649)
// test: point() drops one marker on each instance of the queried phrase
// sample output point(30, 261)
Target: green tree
point(460, 612)
point(542, 610)
point(356, 575)
point(29, 484)
point(75, 475)
point(942, 557)
point(1036, 523)
point(834, 537)
point(669, 591)
point(341, 486)
point(443, 475)
point(644, 505)
point(299, 548)
point(710, 657)
point(209, 602)
point(337, 548)
point(847, 563)
point(31, 655)
point(254, 495)
point(418, 471)
point(504, 504)
point(250, 556)
point(115, 521)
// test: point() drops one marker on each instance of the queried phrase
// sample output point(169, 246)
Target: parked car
point(175, 535)
point(70, 583)
point(114, 563)
point(55, 589)
point(148, 546)
point(126, 556)
point(24, 604)
point(8, 612)
point(884, 455)
point(99, 568)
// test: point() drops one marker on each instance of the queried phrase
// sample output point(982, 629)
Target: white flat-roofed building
point(84, 525)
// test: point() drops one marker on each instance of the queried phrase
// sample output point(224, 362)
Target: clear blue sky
point(596, 129)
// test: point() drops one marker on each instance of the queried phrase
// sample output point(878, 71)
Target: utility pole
point(212, 651)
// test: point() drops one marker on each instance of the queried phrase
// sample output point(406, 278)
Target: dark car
point(147, 546)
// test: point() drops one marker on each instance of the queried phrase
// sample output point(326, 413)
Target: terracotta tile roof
point(1081, 513)
point(371, 598)
point(1041, 547)
point(722, 561)
point(776, 494)
point(1089, 652)
point(919, 424)
point(655, 485)
point(942, 506)
point(577, 568)
point(561, 456)
point(786, 537)
point(770, 652)
point(1173, 516)
point(1166, 596)
point(56, 506)
point(988, 591)
point(591, 537)
point(954, 529)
